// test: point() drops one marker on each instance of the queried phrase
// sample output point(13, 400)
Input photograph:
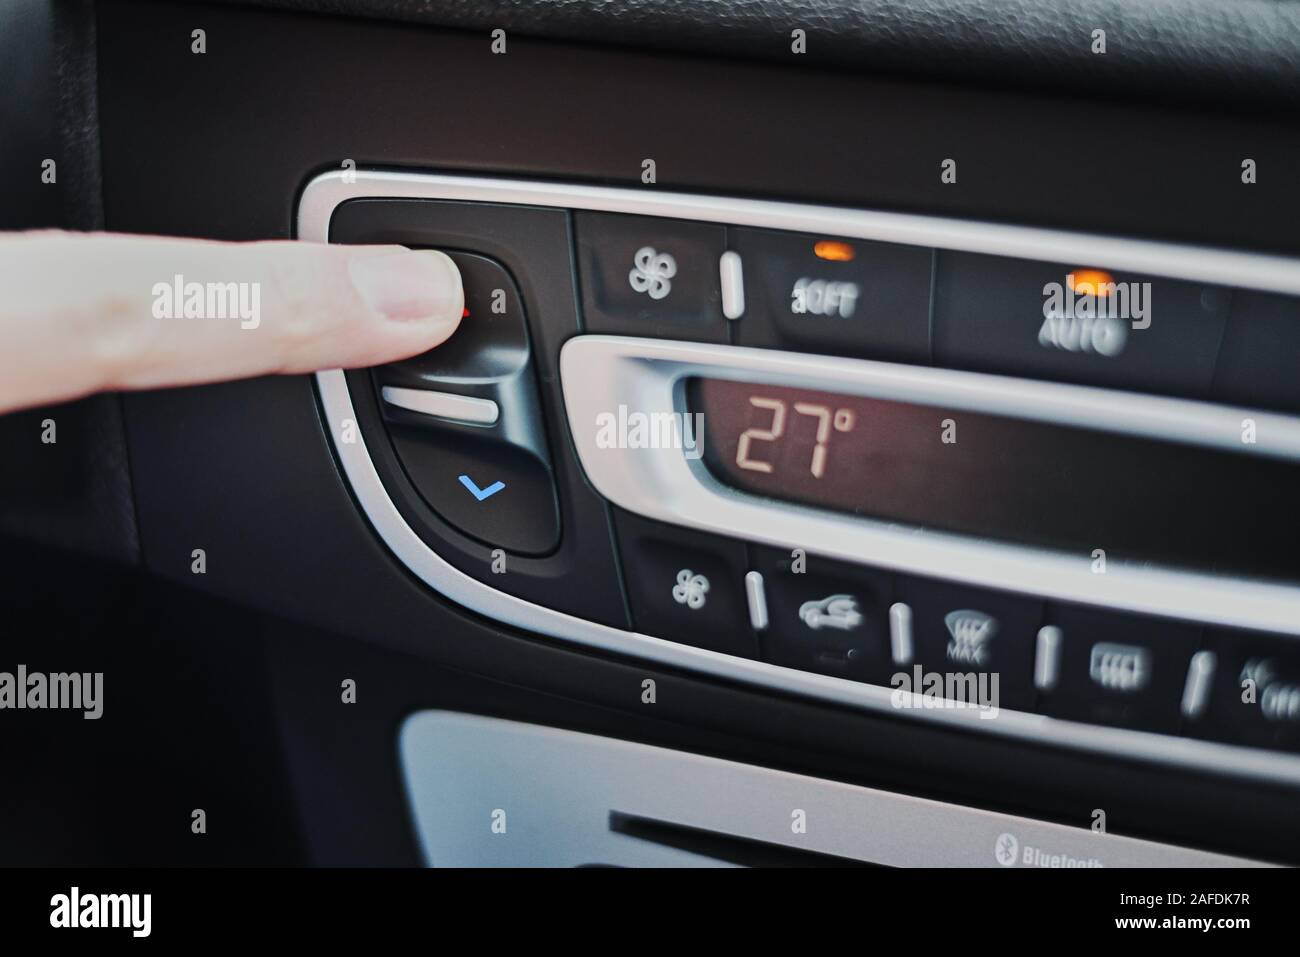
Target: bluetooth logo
point(1006, 849)
point(652, 272)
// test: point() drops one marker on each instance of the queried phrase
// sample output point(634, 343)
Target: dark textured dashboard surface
point(262, 111)
point(1243, 53)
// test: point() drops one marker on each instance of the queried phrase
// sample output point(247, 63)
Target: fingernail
point(414, 284)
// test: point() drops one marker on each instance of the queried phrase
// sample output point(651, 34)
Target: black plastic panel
point(186, 134)
point(1189, 51)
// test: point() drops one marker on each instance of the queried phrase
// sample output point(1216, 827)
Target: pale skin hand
point(79, 311)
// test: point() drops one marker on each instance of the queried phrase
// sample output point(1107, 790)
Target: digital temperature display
point(1010, 479)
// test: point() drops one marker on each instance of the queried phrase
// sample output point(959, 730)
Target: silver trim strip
point(458, 768)
point(601, 373)
point(445, 405)
point(323, 194)
point(1203, 264)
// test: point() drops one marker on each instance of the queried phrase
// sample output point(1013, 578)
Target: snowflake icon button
point(690, 589)
point(652, 272)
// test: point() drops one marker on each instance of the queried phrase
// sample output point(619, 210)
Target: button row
point(1069, 322)
point(1067, 661)
point(693, 281)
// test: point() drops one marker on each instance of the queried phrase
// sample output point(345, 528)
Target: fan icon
point(652, 272)
point(690, 589)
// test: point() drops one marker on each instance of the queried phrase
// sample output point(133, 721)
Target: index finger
point(87, 312)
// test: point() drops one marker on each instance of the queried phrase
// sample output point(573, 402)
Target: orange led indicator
point(1090, 282)
point(833, 251)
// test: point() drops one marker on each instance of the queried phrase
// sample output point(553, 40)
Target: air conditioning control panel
point(1030, 483)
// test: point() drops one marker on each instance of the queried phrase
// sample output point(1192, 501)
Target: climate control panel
point(1026, 482)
